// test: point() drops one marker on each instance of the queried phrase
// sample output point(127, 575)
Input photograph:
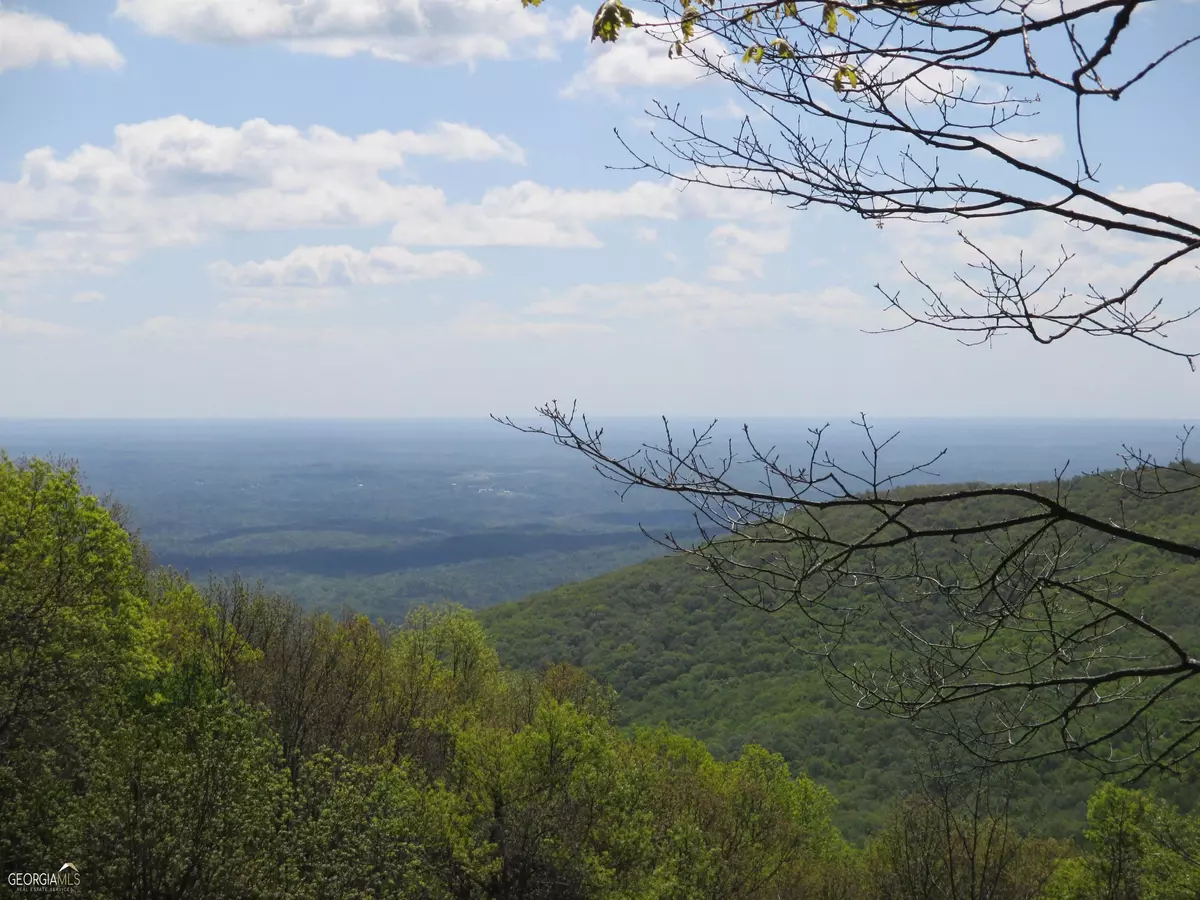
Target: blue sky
point(379, 208)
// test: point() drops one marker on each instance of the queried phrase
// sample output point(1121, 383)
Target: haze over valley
point(385, 515)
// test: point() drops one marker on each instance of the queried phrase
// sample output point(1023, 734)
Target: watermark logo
point(65, 880)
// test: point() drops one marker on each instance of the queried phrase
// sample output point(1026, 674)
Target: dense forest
point(680, 650)
point(170, 741)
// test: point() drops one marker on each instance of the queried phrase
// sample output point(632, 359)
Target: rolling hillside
point(662, 634)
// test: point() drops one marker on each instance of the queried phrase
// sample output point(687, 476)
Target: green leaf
point(830, 17)
point(754, 53)
point(688, 24)
point(782, 48)
point(611, 17)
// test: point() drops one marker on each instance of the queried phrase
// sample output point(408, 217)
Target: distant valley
point(382, 516)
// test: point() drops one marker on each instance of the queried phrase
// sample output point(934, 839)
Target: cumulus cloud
point(343, 266)
point(176, 181)
point(422, 31)
point(1172, 198)
point(1105, 259)
point(1032, 147)
point(530, 214)
point(1043, 9)
point(1101, 261)
point(181, 153)
point(682, 303)
point(741, 252)
point(639, 59)
point(28, 40)
point(907, 80)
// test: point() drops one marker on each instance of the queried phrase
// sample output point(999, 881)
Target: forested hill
point(220, 742)
point(676, 652)
point(665, 635)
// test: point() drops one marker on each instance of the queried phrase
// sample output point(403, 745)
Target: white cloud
point(191, 153)
point(1107, 259)
point(530, 214)
point(1043, 9)
point(682, 303)
point(424, 31)
point(18, 326)
point(741, 252)
point(343, 266)
point(639, 59)
point(87, 297)
point(1172, 198)
point(27, 40)
point(646, 235)
point(176, 181)
point(904, 80)
point(1032, 147)
point(1103, 261)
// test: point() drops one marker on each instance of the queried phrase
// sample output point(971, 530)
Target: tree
point(955, 839)
point(73, 628)
point(1140, 846)
point(1014, 620)
point(182, 800)
point(366, 830)
point(743, 829)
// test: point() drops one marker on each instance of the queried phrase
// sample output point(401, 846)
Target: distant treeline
point(461, 548)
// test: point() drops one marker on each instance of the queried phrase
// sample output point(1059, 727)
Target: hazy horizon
point(625, 417)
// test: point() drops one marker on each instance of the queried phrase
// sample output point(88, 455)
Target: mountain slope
point(663, 635)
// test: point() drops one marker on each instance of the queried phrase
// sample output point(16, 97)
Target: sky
point(419, 208)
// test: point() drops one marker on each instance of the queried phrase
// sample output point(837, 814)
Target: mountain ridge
point(679, 653)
